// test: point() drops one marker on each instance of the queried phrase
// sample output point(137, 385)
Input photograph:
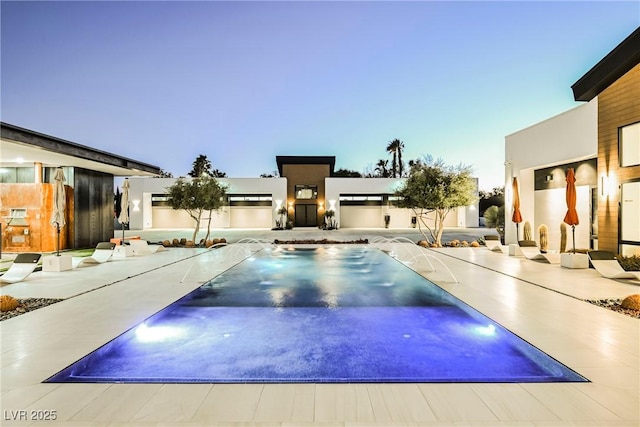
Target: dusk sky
point(242, 82)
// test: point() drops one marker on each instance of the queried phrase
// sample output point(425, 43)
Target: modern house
point(601, 141)
point(306, 187)
point(28, 163)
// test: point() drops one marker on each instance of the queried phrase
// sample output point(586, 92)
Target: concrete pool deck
point(539, 302)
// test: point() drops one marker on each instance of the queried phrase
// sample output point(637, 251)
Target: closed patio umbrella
point(124, 210)
point(571, 218)
point(517, 216)
point(59, 205)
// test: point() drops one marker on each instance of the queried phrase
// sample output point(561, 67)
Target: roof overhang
point(20, 147)
point(617, 63)
point(306, 160)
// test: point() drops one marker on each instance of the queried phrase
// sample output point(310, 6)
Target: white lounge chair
point(492, 242)
point(23, 265)
point(530, 251)
point(103, 252)
point(142, 247)
point(608, 266)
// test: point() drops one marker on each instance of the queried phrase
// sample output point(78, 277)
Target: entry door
point(306, 216)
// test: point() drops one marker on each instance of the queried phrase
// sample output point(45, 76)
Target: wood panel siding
point(306, 174)
point(618, 106)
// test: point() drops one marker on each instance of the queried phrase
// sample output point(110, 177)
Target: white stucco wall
point(373, 216)
point(568, 137)
point(142, 217)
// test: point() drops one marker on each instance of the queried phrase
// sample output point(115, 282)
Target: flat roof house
point(601, 141)
point(306, 187)
point(27, 166)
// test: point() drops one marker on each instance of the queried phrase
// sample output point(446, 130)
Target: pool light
point(148, 334)
point(488, 330)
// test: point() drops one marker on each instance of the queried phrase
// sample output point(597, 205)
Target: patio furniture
point(607, 265)
point(492, 242)
point(529, 249)
point(142, 247)
point(23, 265)
point(103, 252)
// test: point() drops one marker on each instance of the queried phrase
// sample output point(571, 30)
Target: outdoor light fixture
point(278, 204)
point(136, 205)
point(290, 205)
point(19, 160)
point(332, 205)
point(605, 186)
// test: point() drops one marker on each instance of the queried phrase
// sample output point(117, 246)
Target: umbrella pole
point(573, 231)
point(58, 245)
point(517, 232)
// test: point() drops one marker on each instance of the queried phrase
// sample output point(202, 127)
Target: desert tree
point(201, 166)
point(432, 190)
point(196, 196)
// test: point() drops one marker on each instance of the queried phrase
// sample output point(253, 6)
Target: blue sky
point(242, 82)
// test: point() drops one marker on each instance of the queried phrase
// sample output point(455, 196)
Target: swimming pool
point(327, 314)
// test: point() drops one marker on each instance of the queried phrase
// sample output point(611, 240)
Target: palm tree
point(392, 148)
point(400, 164)
point(382, 168)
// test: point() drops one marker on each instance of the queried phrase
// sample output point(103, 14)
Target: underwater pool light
point(488, 330)
point(147, 334)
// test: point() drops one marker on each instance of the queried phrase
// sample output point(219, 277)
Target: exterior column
point(38, 172)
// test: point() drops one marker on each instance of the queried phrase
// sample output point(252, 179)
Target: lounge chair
point(103, 252)
point(23, 265)
point(142, 247)
point(608, 266)
point(492, 242)
point(529, 249)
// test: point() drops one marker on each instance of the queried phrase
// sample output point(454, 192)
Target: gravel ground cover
point(26, 305)
point(614, 305)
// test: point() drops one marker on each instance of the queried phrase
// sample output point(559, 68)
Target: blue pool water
point(331, 314)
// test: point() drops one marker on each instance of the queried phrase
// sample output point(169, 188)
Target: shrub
point(8, 303)
point(491, 217)
point(631, 302)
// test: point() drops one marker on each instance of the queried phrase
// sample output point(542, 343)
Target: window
point(629, 137)
point(249, 200)
point(360, 198)
point(306, 192)
point(159, 200)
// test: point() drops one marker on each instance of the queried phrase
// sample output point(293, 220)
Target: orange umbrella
point(571, 218)
point(516, 217)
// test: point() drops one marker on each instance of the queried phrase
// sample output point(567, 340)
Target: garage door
point(251, 217)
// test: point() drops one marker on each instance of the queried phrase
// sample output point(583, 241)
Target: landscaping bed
point(26, 305)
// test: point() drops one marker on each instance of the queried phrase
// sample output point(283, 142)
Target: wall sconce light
point(604, 186)
point(290, 205)
point(332, 205)
point(136, 205)
point(278, 204)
